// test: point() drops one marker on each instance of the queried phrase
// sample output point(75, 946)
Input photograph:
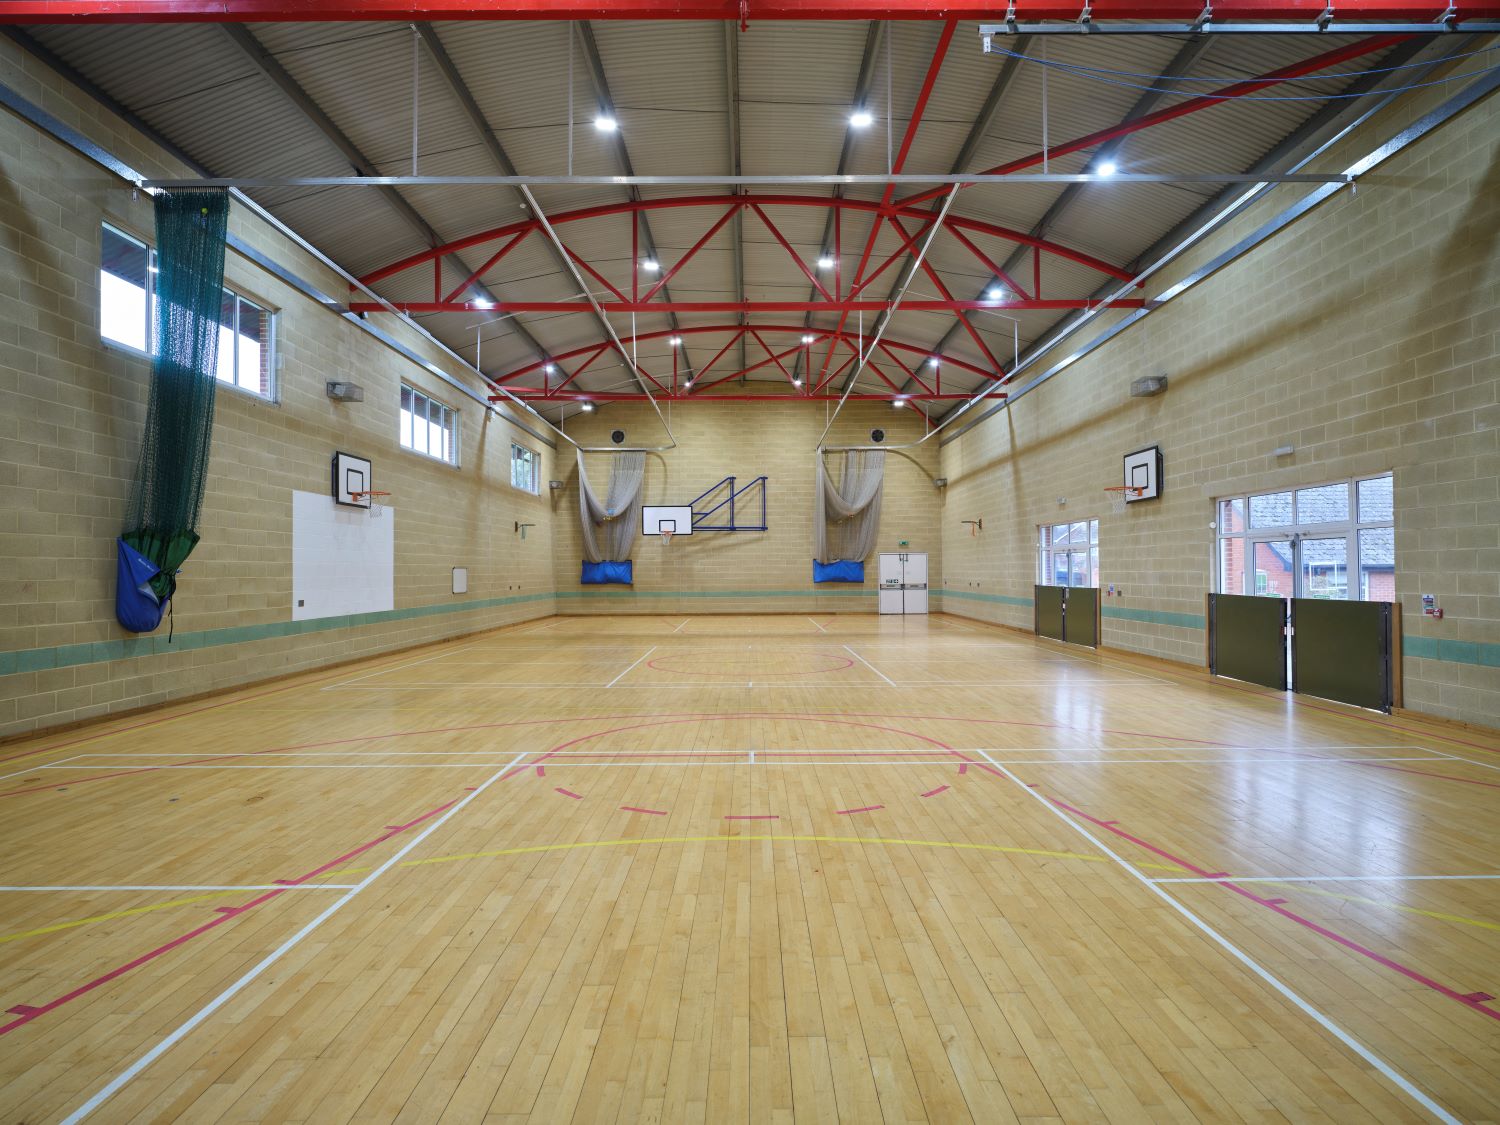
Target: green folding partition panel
point(1343, 651)
point(1247, 639)
point(1081, 616)
point(1048, 619)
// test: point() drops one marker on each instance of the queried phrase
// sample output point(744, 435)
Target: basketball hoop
point(666, 537)
point(377, 509)
point(1137, 489)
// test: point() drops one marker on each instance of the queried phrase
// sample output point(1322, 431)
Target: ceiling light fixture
point(898, 402)
point(796, 382)
point(1107, 168)
point(481, 303)
point(861, 119)
point(808, 339)
point(675, 341)
point(605, 123)
point(550, 368)
point(587, 407)
point(934, 361)
point(825, 262)
point(650, 265)
point(996, 293)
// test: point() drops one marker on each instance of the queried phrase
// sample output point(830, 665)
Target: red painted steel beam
point(698, 329)
point(533, 394)
point(739, 11)
point(1182, 109)
point(842, 203)
point(871, 305)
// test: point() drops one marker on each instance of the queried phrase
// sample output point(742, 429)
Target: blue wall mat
point(844, 570)
point(606, 573)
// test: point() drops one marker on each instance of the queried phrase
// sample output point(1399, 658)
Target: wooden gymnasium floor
point(751, 869)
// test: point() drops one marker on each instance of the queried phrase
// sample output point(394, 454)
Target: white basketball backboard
point(351, 476)
point(676, 518)
point(1143, 474)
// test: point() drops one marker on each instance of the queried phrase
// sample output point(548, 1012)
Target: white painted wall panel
point(343, 559)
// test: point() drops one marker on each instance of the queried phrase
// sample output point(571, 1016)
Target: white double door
point(903, 583)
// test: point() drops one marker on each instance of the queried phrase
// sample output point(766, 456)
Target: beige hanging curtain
point(846, 518)
point(609, 529)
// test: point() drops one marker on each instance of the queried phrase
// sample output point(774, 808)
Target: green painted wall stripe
point(856, 592)
point(972, 596)
point(65, 656)
point(1155, 617)
point(1486, 654)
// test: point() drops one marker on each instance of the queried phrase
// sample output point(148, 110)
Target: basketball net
point(666, 537)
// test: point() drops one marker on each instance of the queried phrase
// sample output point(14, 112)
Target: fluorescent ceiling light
point(1108, 168)
point(825, 262)
point(605, 123)
point(861, 119)
point(650, 265)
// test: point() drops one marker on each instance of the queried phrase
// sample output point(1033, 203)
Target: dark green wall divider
point(1247, 640)
point(1342, 651)
point(1081, 616)
point(1048, 602)
point(1067, 614)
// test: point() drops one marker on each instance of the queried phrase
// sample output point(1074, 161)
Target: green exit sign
point(903, 543)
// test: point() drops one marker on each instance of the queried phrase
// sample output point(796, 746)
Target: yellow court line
point(52, 929)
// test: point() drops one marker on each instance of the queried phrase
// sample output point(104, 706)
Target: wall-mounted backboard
point(676, 518)
point(351, 476)
point(1142, 479)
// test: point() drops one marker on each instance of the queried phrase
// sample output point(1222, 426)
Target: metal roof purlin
point(1181, 63)
point(594, 64)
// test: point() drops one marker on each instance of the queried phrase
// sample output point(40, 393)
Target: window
point(525, 469)
point(1310, 542)
point(1069, 554)
point(127, 292)
point(428, 427)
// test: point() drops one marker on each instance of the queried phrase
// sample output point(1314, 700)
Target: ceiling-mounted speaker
point(617, 436)
point(877, 436)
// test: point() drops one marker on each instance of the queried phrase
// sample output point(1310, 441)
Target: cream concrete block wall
point(71, 411)
point(744, 572)
point(1365, 335)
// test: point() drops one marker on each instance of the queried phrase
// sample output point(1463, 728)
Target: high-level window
point(127, 294)
point(1332, 540)
point(1069, 554)
point(428, 427)
point(525, 468)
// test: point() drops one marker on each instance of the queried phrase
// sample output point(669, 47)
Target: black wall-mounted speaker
point(877, 436)
point(617, 436)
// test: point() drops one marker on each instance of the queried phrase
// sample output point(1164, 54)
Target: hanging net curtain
point(609, 529)
point(846, 518)
point(161, 530)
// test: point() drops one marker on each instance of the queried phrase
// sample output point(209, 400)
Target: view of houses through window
point(1332, 541)
point(1069, 554)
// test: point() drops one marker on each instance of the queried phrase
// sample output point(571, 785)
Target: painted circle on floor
point(730, 665)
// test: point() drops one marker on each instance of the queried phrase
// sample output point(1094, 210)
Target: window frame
point(269, 315)
point(1047, 552)
point(1296, 531)
point(535, 461)
point(449, 414)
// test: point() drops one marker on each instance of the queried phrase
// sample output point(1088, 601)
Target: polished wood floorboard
point(751, 869)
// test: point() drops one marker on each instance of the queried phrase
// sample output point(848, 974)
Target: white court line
point(820, 628)
point(28, 769)
point(870, 666)
point(189, 887)
point(685, 620)
point(1385, 1068)
point(627, 671)
point(398, 667)
point(1331, 879)
point(120, 1080)
point(1441, 754)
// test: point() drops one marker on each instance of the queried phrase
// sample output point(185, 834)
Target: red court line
point(867, 808)
point(1221, 879)
point(1381, 723)
point(648, 812)
point(935, 792)
point(569, 793)
point(1427, 773)
point(757, 817)
point(225, 914)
